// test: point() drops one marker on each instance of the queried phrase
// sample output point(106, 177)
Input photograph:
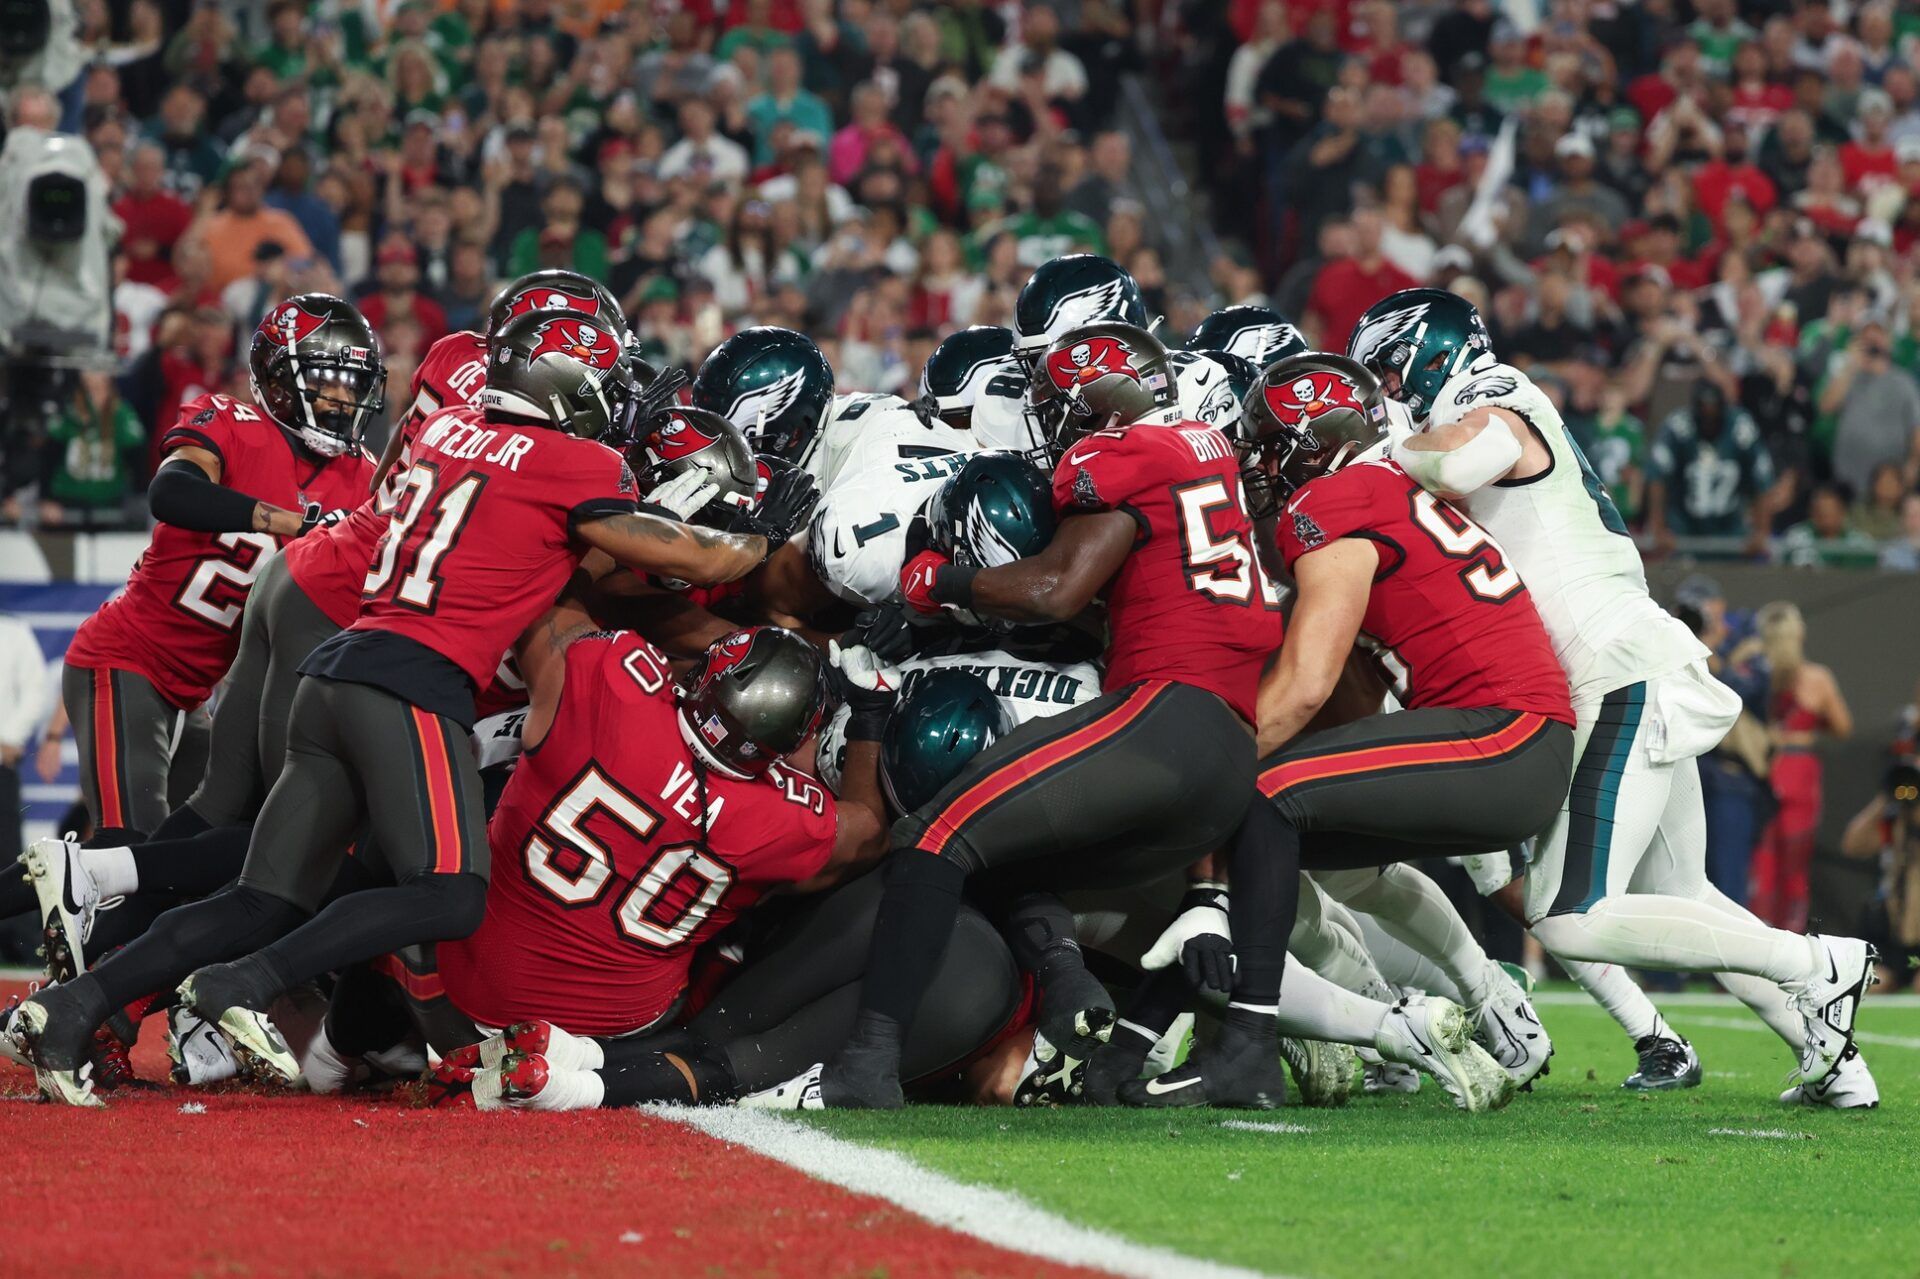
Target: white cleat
point(527, 1081)
point(802, 1092)
point(1830, 1000)
point(199, 1053)
point(1848, 1086)
point(1435, 1036)
point(1378, 1075)
point(1322, 1072)
point(12, 1047)
point(68, 899)
point(1509, 1029)
point(68, 1087)
point(263, 1055)
point(563, 1051)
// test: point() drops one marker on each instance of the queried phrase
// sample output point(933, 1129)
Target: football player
point(1150, 520)
point(960, 370)
point(499, 505)
point(1476, 759)
point(1620, 877)
point(1254, 333)
point(236, 481)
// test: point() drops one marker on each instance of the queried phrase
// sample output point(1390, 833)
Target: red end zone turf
point(262, 1184)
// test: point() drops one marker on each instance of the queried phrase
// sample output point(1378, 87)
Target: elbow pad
point(1480, 461)
point(183, 496)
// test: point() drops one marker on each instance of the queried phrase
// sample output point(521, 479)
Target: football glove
point(679, 497)
point(884, 629)
point(782, 509)
point(866, 685)
point(314, 517)
point(1199, 939)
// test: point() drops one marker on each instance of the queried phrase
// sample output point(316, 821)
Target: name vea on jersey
point(1024, 683)
point(466, 442)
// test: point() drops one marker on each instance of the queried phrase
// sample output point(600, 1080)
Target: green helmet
point(935, 731)
point(1065, 293)
point(772, 383)
point(559, 368)
point(1416, 340)
point(959, 368)
point(1242, 374)
point(1308, 415)
point(555, 289)
point(1254, 333)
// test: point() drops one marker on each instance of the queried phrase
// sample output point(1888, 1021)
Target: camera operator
point(1889, 828)
point(40, 49)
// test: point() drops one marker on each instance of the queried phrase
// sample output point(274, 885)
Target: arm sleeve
point(183, 496)
point(1483, 459)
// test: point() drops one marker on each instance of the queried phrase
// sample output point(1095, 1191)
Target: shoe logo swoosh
point(1159, 1088)
point(71, 906)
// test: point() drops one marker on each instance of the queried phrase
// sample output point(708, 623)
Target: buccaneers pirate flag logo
point(1089, 361)
point(1312, 396)
point(575, 340)
point(678, 437)
point(289, 324)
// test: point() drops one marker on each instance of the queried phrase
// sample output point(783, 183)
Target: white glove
point(862, 669)
point(1490, 872)
point(1199, 940)
point(684, 494)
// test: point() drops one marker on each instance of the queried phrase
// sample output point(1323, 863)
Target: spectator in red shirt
point(1440, 168)
point(198, 360)
point(1757, 101)
point(155, 218)
point(398, 269)
point(1346, 287)
point(1868, 158)
point(1728, 170)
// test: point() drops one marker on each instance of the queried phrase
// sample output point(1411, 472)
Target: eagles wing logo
point(289, 324)
point(764, 404)
point(1263, 342)
point(678, 438)
point(577, 341)
point(1101, 302)
point(987, 542)
point(1487, 387)
point(1373, 335)
point(1312, 395)
point(552, 299)
point(1088, 361)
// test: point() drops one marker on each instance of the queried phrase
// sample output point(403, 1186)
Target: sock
point(193, 866)
point(1677, 934)
point(1311, 1007)
point(1262, 904)
point(182, 823)
point(113, 870)
point(325, 1070)
point(113, 836)
point(1402, 965)
point(689, 1079)
point(1039, 930)
point(910, 936)
point(1409, 906)
point(1154, 1006)
point(364, 925)
point(1619, 994)
point(223, 926)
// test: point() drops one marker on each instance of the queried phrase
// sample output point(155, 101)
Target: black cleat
point(1238, 1070)
point(1665, 1064)
point(1118, 1061)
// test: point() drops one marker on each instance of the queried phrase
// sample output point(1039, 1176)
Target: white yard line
point(995, 1216)
point(1249, 1125)
point(1765, 1134)
point(1754, 1023)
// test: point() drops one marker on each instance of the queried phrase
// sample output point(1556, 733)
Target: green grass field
point(1577, 1178)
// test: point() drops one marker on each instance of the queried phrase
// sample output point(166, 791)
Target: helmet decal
point(1312, 394)
point(1262, 343)
point(1370, 340)
point(548, 297)
point(289, 323)
point(726, 654)
point(582, 342)
point(755, 408)
point(988, 542)
point(678, 437)
point(1099, 302)
point(1088, 361)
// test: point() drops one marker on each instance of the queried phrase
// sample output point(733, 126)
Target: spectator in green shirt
point(756, 32)
point(97, 442)
point(285, 52)
point(1827, 535)
point(1616, 447)
point(1512, 83)
point(785, 101)
point(1050, 229)
point(564, 240)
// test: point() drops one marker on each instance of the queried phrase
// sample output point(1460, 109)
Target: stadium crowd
point(1693, 221)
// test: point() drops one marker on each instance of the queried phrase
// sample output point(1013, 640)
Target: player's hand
point(314, 517)
point(916, 581)
point(783, 508)
point(885, 630)
point(1199, 939)
point(46, 761)
point(682, 495)
point(866, 685)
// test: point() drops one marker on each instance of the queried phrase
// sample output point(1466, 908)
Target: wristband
point(953, 584)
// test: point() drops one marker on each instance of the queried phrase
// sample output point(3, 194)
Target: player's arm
point(1487, 445)
point(186, 492)
point(860, 821)
point(1056, 585)
point(1334, 582)
point(541, 654)
point(667, 619)
point(786, 590)
point(667, 548)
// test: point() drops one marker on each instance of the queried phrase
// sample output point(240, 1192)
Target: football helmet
point(1070, 291)
point(316, 371)
point(947, 718)
point(751, 699)
point(1308, 415)
point(1415, 341)
point(1098, 376)
point(676, 440)
point(556, 290)
point(772, 383)
point(994, 510)
point(1254, 333)
point(959, 368)
point(1241, 376)
point(566, 370)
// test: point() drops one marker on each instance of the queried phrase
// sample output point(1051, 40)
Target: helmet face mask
point(1309, 415)
point(567, 371)
point(316, 371)
point(754, 698)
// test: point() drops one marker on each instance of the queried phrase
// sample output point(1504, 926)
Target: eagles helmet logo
point(678, 438)
point(1089, 361)
point(764, 404)
point(289, 324)
point(1312, 396)
point(1370, 339)
point(576, 341)
point(548, 298)
point(1100, 302)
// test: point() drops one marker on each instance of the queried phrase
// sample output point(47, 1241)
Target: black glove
point(313, 517)
point(884, 630)
point(1199, 936)
point(786, 505)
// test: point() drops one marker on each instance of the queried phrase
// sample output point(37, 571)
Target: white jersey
point(861, 432)
point(1561, 531)
point(1000, 415)
point(857, 540)
point(1026, 688)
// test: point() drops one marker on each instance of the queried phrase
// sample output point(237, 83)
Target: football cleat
point(802, 1092)
point(450, 1082)
point(199, 1054)
point(1665, 1064)
point(11, 1047)
point(112, 1064)
point(1848, 1086)
point(1509, 1029)
point(1322, 1072)
point(829, 1087)
point(68, 900)
point(1434, 1035)
point(1239, 1070)
point(1830, 1000)
point(69, 1086)
point(528, 1081)
point(1389, 1076)
point(1059, 1066)
point(258, 1048)
point(561, 1050)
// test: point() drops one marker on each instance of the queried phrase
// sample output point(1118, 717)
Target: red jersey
point(1191, 603)
point(1448, 619)
point(604, 883)
point(453, 372)
point(178, 622)
point(479, 542)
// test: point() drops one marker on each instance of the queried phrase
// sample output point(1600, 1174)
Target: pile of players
point(746, 742)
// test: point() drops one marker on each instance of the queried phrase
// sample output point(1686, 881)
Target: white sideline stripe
point(1769, 1134)
point(995, 1216)
point(1248, 1125)
point(1700, 999)
point(1863, 1036)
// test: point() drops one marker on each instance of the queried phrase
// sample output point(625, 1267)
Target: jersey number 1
point(420, 586)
